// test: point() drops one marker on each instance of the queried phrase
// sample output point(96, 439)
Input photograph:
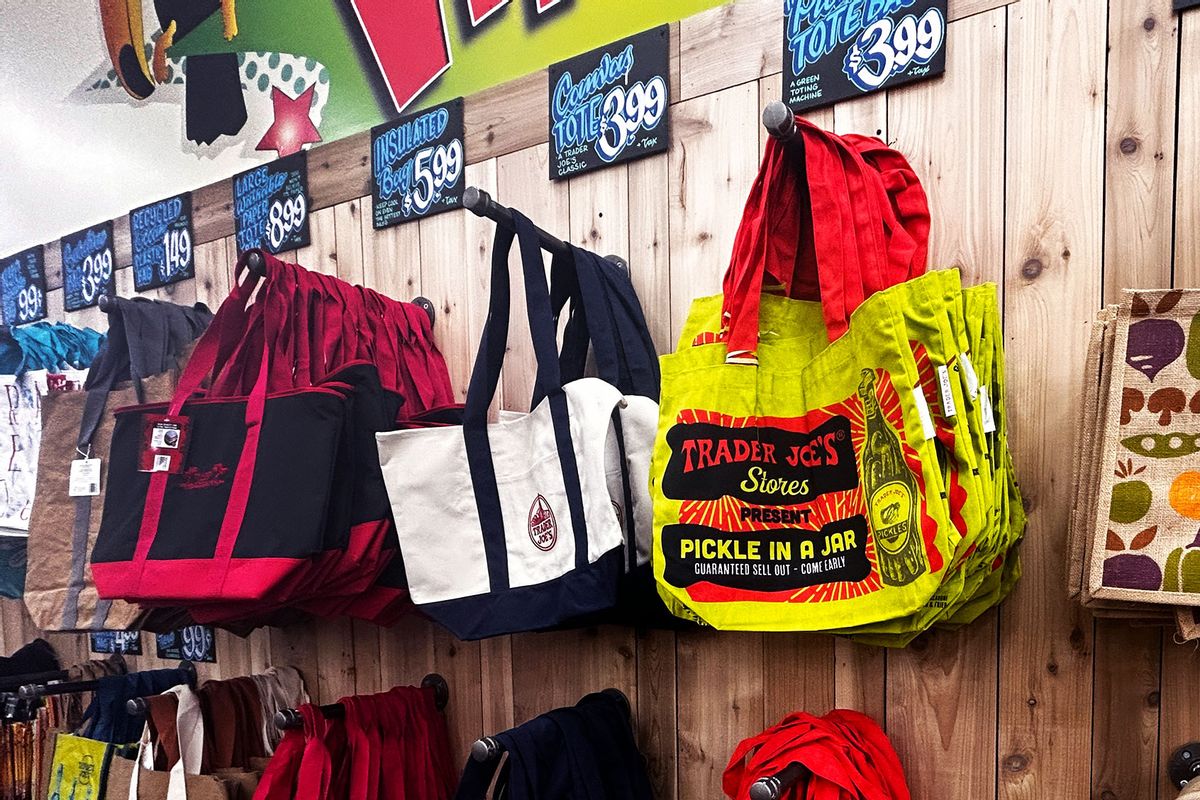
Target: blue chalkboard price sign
point(23, 286)
point(270, 205)
point(193, 643)
point(610, 105)
point(110, 642)
point(838, 49)
point(162, 243)
point(417, 165)
point(87, 264)
point(1180, 5)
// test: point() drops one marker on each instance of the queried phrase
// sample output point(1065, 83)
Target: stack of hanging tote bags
point(269, 497)
point(832, 456)
point(522, 524)
point(147, 341)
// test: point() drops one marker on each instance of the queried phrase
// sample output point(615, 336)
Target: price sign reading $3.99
point(87, 261)
point(835, 50)
point(417, 165)
point(889, 47)
point(270, 205)
point(610, 105)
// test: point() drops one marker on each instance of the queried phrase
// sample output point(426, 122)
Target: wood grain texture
point(1140, 144)
point(711, 169)
point(506, 118)
point(1125, 710)
point(1054, 214)
point(1187, 157)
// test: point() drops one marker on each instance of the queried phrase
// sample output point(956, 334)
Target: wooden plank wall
point(1059, 153)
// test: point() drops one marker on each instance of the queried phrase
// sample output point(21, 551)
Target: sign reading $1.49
point(162, 242)
point(270, 205)
point(610, 105)
point(417, 165)
point(838, 49)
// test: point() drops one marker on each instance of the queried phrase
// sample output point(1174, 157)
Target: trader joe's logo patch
point(543, 529)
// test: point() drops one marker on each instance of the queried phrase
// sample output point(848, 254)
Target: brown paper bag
point(154, 785)
point(59, 591)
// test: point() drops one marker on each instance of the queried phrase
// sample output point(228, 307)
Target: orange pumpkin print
point(1185, 494)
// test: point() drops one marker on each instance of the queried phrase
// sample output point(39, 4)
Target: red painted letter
point(409, 40)
point(482, 9)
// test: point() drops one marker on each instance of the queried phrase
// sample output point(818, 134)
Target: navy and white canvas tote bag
point(509, 526)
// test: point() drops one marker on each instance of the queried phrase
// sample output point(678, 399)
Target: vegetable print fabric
point(1148, 526)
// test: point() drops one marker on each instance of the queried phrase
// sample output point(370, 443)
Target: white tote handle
point(189, 727)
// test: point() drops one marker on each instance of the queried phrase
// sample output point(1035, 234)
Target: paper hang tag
point(85, 478)
point(985, 408)
point(948, 407)
point(969, 373)
point(923, 413)
point(164, 443)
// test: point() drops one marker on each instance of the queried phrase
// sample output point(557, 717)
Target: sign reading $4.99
point(417, 165)
point(838, 49)
point(610, 105)
point(270, 205)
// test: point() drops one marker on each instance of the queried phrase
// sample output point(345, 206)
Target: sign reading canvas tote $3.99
point(839, 49)
point(417, 165)
point(610, 105)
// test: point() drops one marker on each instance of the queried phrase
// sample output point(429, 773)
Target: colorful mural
point(171, 94)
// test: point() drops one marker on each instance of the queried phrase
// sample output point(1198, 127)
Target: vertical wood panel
point(1139, 170)
point(1187, 156)
point(712, 167)
point(941, 691)
point(1140, 146)
point(1054, 208)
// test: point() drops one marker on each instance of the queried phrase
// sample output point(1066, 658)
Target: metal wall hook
point(1184, 765)
point(488, 748)
point(779, 120)
point(427, 306)
point(105, 304)
point(621, 263)
point(256, 263)
point(291, 719)
point(772, 787)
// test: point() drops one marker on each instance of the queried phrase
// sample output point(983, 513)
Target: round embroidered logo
point(543, 529)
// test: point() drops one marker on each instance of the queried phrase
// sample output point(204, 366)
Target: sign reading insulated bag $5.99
point(417, 165)
point(610, 105)
point(839, 49)
point(270, 205)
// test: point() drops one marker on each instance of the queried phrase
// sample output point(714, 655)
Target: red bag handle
point(872, 234)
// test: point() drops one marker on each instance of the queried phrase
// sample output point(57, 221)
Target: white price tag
point(948, 408)
point(985, 407)
point(923, 412)
point(969, 373)
point(85, 478)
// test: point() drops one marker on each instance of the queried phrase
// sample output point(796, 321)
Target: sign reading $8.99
point(270, 205)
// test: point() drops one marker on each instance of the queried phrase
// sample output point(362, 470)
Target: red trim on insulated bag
point(873, 233)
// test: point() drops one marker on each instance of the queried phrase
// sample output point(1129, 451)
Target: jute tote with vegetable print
point(1146, 537)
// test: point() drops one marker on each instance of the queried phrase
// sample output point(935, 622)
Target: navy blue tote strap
point(482, 388)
